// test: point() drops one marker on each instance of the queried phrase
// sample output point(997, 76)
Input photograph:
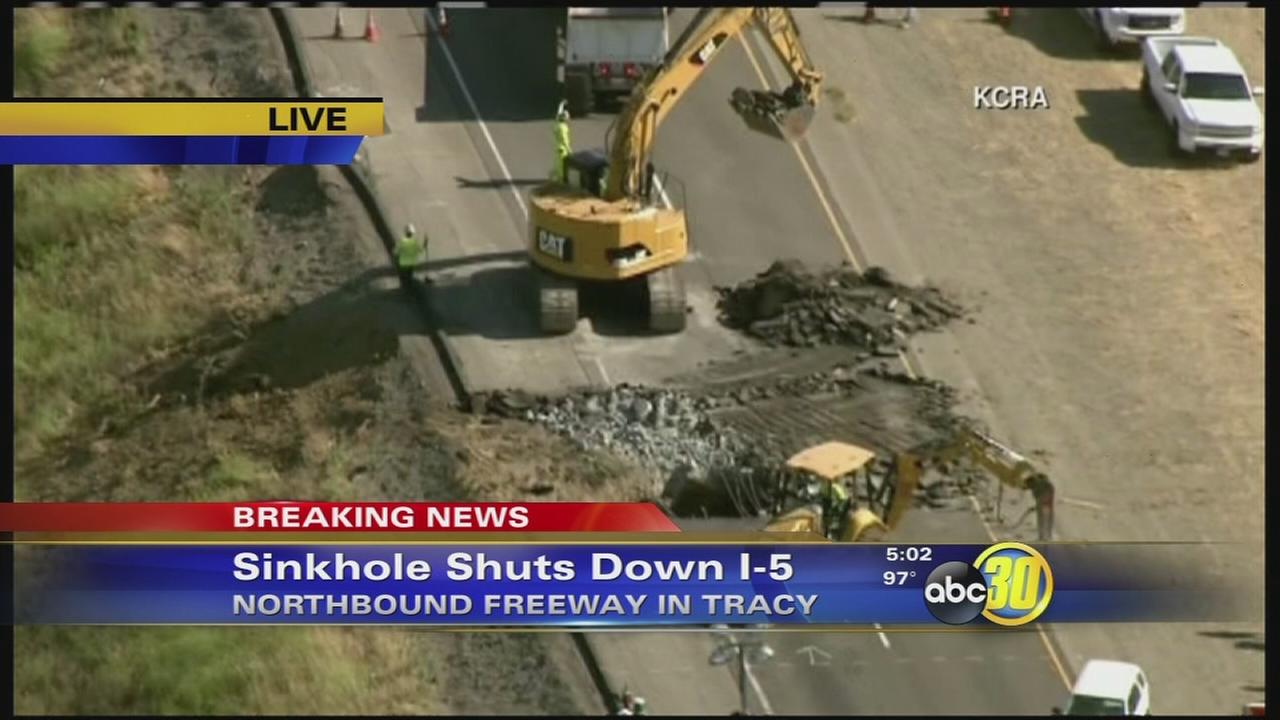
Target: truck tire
point(577, 91)
point(1148, 99)
point(1104, 40)
point(1174, 148)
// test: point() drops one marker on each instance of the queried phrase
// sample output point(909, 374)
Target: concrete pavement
point(449, 174)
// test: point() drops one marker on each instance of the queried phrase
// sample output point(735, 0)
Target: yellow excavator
point(604, 224)
point(805, 501)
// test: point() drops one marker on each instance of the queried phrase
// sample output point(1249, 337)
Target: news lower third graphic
point(186, 131)
point(671, 582)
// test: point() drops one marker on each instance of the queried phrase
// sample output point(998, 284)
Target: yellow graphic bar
point(330, 116)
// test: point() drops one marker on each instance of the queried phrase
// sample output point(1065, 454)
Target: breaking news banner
point(655, 577)
point(186, 131)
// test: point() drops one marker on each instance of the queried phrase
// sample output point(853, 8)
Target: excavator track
point(667, 311)
point(557, 303)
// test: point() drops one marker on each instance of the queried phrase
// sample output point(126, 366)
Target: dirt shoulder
point(236, 346)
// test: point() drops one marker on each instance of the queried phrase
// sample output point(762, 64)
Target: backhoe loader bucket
point(772, 113)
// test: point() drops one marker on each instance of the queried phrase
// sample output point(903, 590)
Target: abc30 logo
point(1009, 584)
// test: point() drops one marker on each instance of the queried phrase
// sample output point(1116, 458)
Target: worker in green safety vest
point(563, 147)
point(411, 251)
point(835, 503)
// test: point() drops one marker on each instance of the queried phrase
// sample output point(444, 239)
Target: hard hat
point(562, 113)
point(409, 229)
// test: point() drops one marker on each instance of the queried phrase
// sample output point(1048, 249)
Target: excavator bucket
point(795, 122)
point(773, 113)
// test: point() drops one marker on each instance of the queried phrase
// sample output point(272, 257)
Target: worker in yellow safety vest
point(563, 146)
point(410, 251)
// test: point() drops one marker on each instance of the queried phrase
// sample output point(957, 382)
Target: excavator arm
point(657, 94)
point(1008, 466)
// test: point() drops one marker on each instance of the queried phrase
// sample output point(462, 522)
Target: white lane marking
point(1044, 637)
point(493, 147)
point(755, 685)
point(1082, 503)
point(666, 201)
point(475, 110)
point(884, 639)
point(603, 375)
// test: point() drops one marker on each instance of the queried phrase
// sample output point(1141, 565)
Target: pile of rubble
point(663, 429)
point(704, 465)
point(787, 305)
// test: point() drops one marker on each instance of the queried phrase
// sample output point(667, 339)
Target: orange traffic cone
point(338, 29)
point(371, 31)
point(444, 23)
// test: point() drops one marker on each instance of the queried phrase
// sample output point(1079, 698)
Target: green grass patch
point(181, 671)
point(111, 33)
point(94, 286)
point(234, 476)
point(39, 48)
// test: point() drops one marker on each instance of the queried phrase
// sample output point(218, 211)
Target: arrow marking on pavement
point(814, 654)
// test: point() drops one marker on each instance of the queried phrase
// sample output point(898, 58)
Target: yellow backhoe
point(805, 501)
point(604, 223)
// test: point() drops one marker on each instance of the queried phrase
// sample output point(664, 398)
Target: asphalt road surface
point(1125, 350)
point(751, 200)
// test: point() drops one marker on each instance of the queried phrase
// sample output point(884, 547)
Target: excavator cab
point(587, 171)
point(808, 479)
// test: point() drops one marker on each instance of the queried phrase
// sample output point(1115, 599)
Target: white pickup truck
point(1109, 687)
point(1115, 26)
point(1204, 94)
point(605, 52)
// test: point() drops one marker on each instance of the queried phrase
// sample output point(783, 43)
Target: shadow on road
point(1241, 640)
point(507, 59)
point(891, 19)
point(497, 183)
point(1062, 33)
point(498, 303)
point(616, 309)
point(432, 266)
point(1135, 135)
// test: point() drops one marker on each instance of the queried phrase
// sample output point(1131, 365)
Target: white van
point(1110, 687)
